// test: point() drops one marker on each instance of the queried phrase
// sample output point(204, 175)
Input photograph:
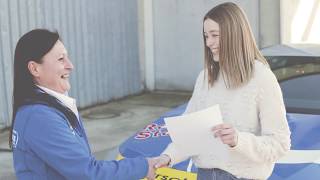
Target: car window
point(299, 79)
point(288, 67)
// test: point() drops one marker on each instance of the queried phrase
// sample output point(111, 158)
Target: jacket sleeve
point(274, 140)
point(176, 155)
point(50, 138)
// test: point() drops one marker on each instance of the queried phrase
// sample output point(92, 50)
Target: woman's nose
point(209, 42)
point(69, 64)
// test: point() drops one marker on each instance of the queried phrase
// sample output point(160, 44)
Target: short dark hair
point(32, 46)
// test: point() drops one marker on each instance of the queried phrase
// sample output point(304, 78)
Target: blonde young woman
point(237, 77)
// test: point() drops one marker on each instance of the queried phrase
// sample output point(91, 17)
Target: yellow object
point(171, 174)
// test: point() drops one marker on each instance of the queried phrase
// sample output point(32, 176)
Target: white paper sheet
point(192, 134)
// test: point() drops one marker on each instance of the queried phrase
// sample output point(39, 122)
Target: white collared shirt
point(64, 98)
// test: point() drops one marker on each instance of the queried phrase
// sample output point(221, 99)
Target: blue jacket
point(46, 148)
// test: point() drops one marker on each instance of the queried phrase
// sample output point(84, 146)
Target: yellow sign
point(171, 174)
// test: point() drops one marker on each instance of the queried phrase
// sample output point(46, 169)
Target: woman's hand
point(155, 163)
point(227, 133)
point(151, 170)
point(163, 161)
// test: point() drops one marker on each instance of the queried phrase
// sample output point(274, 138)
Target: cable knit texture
point(257, 111)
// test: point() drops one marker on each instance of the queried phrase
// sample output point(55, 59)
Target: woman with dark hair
point(47, 135)
point(237, 78)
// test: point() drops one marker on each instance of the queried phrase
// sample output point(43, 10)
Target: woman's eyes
point(212, 35)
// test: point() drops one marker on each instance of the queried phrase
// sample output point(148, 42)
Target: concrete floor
point(108, 125)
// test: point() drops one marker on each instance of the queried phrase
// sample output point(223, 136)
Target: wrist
point(167, 159)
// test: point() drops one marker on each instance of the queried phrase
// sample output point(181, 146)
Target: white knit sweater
point(257, 111)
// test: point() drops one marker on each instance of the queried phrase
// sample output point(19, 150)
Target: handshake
point(155, 163)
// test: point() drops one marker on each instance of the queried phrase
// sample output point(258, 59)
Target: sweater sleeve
point(176, 155)
point(193, 104)
point(274, 140)
point(50, 138)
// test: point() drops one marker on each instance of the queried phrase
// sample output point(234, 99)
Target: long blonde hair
point(237, 50)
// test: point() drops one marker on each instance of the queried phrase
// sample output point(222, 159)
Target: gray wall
point(178, 46)
point(269, 23)
point(100, 35)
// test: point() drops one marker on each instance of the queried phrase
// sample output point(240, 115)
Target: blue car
point(298, 73)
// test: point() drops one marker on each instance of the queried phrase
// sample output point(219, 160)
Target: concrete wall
point(269, 23)
point(177, 40)
point(101, 37)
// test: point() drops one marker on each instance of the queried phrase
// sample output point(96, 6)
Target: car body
point(298, 73)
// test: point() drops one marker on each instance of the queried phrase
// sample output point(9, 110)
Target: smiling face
point(53, 73)
point(212, 37)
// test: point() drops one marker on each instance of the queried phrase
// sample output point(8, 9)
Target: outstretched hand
point(162, 161)
point(155, 163)
point(152, 170)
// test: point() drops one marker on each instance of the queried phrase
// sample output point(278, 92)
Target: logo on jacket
point(15, 138)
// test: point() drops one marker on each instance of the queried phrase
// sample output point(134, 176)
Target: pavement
point(108, 125)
